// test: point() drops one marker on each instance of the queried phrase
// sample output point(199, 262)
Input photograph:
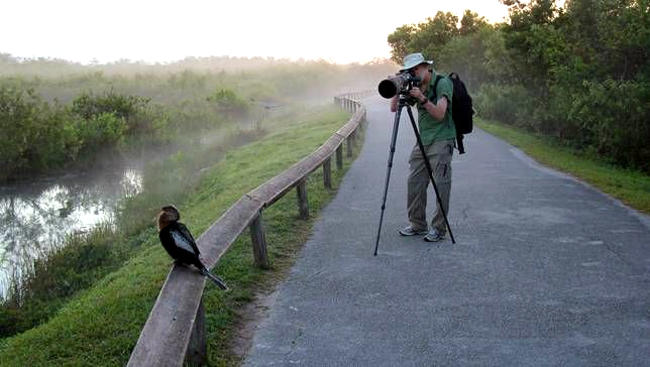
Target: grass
point(101, 325)
point(631, 187)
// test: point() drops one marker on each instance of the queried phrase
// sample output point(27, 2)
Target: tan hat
point(413, 60)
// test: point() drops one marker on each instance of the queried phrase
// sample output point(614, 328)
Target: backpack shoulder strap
point(435, 88)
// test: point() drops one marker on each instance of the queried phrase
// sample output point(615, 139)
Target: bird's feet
point(178, 263)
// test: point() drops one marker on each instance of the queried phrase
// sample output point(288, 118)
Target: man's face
point(419, 71)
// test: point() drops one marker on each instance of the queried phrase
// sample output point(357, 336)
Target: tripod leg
point(427, 164)
point(390, 167)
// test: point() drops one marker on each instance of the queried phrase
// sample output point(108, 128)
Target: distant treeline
point(579, 73)
point(53, 112)
point(52, 67)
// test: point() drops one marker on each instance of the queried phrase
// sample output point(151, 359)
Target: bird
point(177, 240)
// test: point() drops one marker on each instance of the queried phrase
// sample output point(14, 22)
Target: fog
point(41, 209)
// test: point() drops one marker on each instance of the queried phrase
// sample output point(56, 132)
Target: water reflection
point(36, 217)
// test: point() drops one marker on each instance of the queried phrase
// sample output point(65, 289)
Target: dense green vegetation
point(37, 135)
point(100, 325)
point(578, 73)
point(54, 114)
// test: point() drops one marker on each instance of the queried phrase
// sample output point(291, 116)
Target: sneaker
point(409, 231)
point(434, 236)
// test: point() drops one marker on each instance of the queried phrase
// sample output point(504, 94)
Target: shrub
point(508, 103)
point(229, 103)
point(617, 115)
point(132, 109)
point(35, 135)
point(102, 130)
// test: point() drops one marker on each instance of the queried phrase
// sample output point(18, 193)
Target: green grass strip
point(631, 187)
point(101, 325)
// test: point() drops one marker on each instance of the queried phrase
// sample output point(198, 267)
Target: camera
point(401, 83)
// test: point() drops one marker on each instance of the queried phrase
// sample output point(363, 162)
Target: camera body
point(401, 83)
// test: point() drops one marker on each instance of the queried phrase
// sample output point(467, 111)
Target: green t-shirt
point(430, 129)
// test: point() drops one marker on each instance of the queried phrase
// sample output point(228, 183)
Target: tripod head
point(406, 99)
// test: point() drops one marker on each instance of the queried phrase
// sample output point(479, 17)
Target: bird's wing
point(182, 242)
point(190, 239)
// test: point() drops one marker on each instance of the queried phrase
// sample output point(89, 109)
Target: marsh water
point(37, 215)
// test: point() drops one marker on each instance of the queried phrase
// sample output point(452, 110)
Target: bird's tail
point(218, 281)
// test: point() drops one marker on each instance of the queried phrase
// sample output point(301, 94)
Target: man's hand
point(393, 103)
point(417, 94)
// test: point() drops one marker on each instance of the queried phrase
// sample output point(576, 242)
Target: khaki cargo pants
point(439, 154)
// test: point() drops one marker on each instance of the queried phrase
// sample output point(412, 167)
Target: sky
point(340, 31)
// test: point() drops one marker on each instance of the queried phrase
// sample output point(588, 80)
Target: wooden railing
point(175, 330)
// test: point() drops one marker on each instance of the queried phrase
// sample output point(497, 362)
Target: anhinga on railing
point(179, 243)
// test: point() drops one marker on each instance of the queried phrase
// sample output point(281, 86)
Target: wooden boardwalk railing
point(175, 331)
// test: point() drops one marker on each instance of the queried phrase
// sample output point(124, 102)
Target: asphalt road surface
point(546, 271)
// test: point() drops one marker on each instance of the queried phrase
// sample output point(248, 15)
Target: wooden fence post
point(339, 157)
point(259, 242)
point(197, 351)
point(327, 173)
point(303, 204)
point(349, 150)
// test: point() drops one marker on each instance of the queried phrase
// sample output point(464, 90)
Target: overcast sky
point(339, 31)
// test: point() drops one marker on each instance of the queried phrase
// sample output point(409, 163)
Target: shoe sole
point(412, 234)
point(437, 239)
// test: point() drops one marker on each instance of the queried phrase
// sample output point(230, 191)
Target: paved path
point(546, 271)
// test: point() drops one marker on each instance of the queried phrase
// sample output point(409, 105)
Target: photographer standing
point(438, 134)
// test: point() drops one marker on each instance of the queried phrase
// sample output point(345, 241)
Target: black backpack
point(461, 108)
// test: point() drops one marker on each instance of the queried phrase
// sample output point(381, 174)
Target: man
point(438, 133)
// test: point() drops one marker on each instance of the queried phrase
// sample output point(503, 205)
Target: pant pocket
point(443, 172)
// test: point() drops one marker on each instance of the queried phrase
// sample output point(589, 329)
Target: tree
point(427, 37)
point(471, 22)
point(399, 42)
point(434, 34)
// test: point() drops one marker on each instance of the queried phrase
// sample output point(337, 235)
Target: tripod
point(403, 102)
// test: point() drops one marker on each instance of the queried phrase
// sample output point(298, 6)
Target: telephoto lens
point(399, 83)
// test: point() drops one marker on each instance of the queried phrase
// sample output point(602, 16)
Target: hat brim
point(414, 64)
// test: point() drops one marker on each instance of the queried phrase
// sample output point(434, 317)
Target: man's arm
point(436, 110)
point(393, 103)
